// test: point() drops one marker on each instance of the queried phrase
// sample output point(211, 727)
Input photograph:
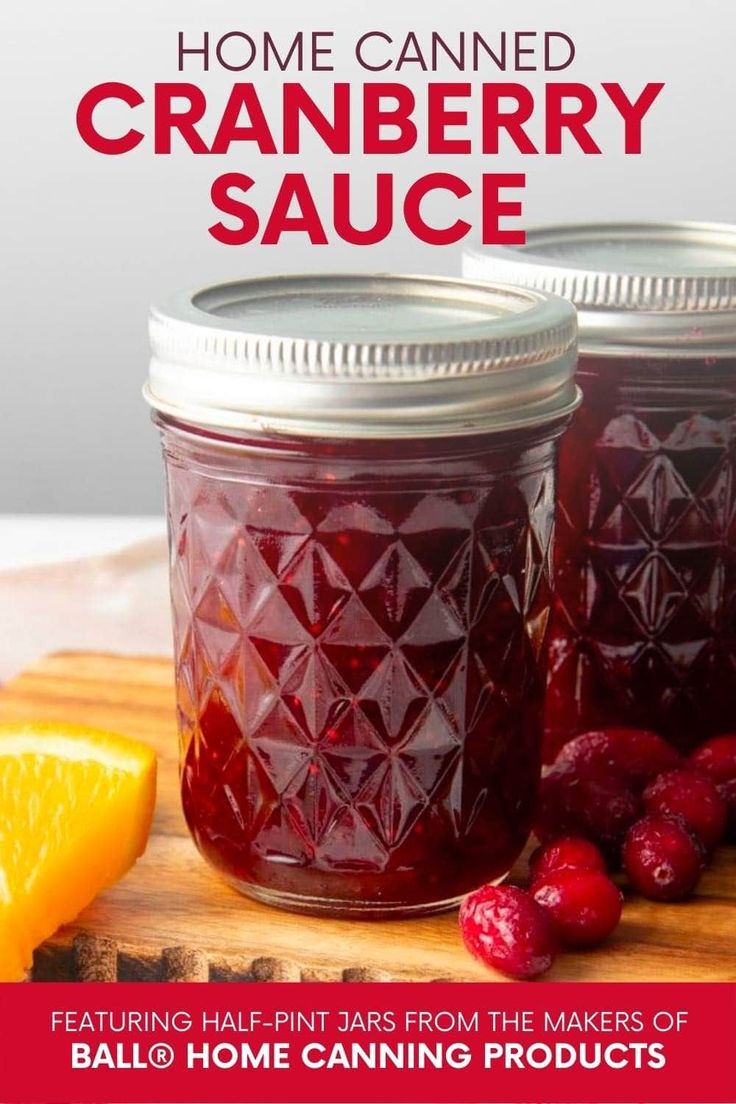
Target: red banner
point(561, 1043)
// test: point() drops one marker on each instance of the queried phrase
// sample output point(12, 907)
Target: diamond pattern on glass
point(358, 674)
point(643, 628)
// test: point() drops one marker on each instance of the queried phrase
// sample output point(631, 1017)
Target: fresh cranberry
point(566, 853)
point(635, 753)
point(694, 798)
point(585, 905)
point(606, 808)
point(717, 759)
point(505, 928)
point(662, 857)
point(599, 806)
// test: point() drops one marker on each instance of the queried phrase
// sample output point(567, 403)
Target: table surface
point(173, 918)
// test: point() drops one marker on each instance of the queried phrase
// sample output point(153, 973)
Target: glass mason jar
point(644, 625)
point(360, 483)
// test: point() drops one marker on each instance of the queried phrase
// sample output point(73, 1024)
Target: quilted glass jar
point(360, 480)
point(644, 625)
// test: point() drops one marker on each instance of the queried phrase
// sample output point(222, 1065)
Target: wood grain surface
point(171, 918)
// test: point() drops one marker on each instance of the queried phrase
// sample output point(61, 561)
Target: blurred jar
point(644, 625)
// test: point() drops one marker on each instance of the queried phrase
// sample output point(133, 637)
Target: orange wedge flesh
point(76, 806)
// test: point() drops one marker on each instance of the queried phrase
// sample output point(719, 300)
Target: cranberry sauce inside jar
point(360, 479)
point(643, 631)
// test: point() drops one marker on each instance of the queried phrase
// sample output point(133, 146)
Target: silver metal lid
point(363, 356)
point(664, 289)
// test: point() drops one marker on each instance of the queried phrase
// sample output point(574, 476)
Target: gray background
point(88, 241)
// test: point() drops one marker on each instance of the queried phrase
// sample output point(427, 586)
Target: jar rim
point(371, 355)
point(653, 288)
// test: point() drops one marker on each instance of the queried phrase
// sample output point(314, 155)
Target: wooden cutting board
point(172, 918)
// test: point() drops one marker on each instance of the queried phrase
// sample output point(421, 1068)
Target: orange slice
point(75, 811)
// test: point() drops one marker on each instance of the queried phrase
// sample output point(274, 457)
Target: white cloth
point(81, 584)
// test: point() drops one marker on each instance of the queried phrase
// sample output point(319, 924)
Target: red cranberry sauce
point(359, 638)
point(644, 623)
